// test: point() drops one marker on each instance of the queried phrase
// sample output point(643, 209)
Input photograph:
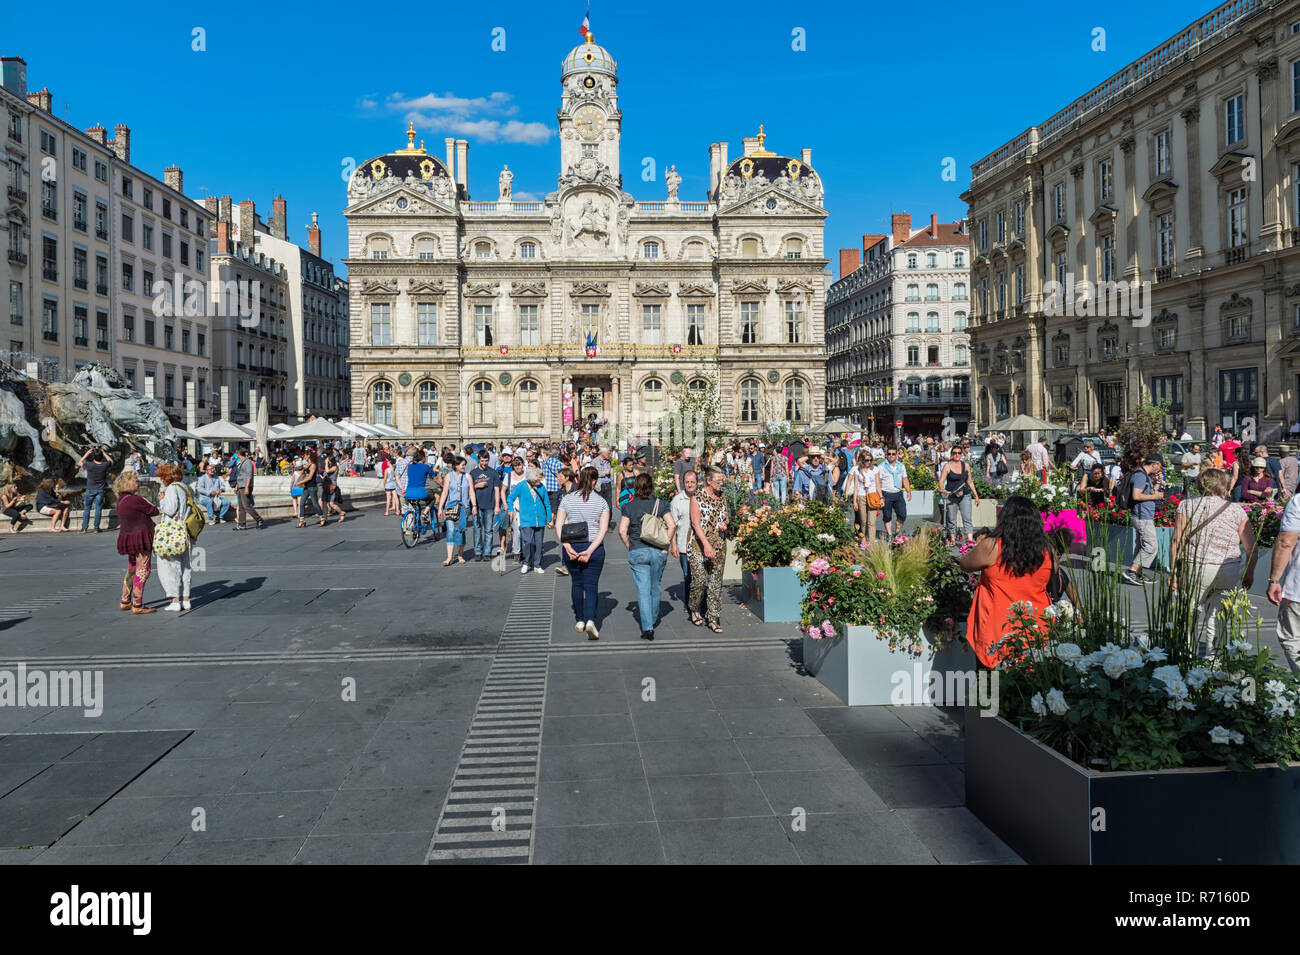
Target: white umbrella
point(358, 429)
point(223, 430)
point(317, 428)
point(263, 428)
point(838, 426)
point(182, 433)
point(278, 429)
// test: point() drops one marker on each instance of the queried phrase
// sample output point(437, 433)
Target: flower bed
point(768, 535)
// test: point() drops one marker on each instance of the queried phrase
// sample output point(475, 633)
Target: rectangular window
point(50, 200)
point(1165, 240)
point(381, 324)
point(1164, 157)
point(128, 328)
point(49, 143)
point(185, 252)
point(1237, 217)
point(202, 346)
point(80, 326)
point(426, 318)
point(793, 323)
point(1018, 219)
point(80, 269)
point(1234, 119)
point(146, 236)
point(652, 324)
point(695, 324)
point(128, 277)
point(126, 186)
point(167, 208)
point(1021, 291)
point(101, 170)
point(169, 337)
point(149, 337)
point(101, 330)
point(530, 330)
point(1002, 227)
point(1058, 201)
point(748, 323)
point(1108, 258)
point(185, 340)
point(78, 159)
point(984, 234)
point(483, 324)
point(128, 228)
point(101, 221)
point(1060, 268)
point(167, 243)
point(1105, 185)
point(50, 258)
point(15, 303)
point(914, 356)
point(50, 320)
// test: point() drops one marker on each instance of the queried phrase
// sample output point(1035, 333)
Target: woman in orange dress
point(1015, 564)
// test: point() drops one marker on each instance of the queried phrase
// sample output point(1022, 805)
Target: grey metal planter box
point(859, 668)
point(1046, 807)
point(774, 594)
point(731, 571)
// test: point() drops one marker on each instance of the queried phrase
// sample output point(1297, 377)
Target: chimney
point(13, 75)
point(750, 145)
point(714, 152)
point(934, 226)
point(41, 100)
point(279, 218)
point(462, 164)
point(212, 205)
point(901, 226)
point(451, 157)
point(226, 214)
point(313, 237)
point(806, 155)
point(722, 161)
point(223, 237)
point(121, 142)
point(96, 132)
point(848, 261)
point(174, 178)
point(247, 227)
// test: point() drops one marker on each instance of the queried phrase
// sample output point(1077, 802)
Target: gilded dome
point(587, 58)
point(413, 160)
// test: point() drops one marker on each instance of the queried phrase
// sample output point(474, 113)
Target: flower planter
point(859, 668)
point(1262, 568)
point(774, 594)
point(1053, 811)
point(1116, 540)
point(922, 502)
point(731, 572)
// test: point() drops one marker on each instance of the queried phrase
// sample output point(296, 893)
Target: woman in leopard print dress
point(708, 550)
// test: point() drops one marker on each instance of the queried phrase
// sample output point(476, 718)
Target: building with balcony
point(105, 262)
point(896, 342)
point(1178, 177)
point(481, 318)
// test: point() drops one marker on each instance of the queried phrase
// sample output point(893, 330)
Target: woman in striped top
point(585, 558)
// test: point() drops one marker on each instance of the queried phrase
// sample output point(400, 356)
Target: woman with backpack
point(171, 540)
point(995, 464)
point(646, 559)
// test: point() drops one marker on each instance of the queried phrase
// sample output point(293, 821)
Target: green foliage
point(922, 476)
point(769, 536)
point(1143, 433)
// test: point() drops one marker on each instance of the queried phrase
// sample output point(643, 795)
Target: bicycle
point(414, 524)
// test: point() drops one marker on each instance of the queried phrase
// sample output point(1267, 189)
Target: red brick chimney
point(934, 226)
point(900, 224)
point(279, 218)
point(42, 100)
point(223, 238)
point(96, 132)
point(848, 261)
point(313, 236)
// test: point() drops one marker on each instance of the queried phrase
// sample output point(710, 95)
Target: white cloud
point(485, 118)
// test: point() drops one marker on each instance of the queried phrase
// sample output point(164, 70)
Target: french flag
point(585, 29)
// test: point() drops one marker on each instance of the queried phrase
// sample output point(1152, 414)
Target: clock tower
point(590, 121)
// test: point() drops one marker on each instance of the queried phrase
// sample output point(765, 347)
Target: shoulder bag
point(195, 521)
point(654, 529)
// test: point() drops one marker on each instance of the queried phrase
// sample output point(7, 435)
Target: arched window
point(383, 403)
point(794, 405)
point(932, 292)
point(959, 321)
point(482, 411)
point(911, 260)
point(794, 249)
point(380, 246)
point(528, 250)
point(913, 293)
point(932, 321)
point(530, 403)
point(650, 250)
point(482, 250)
point(749, 248)
point(698, 384)
point(428, 403)
point(749, 396)
point(959, 292)
point(653, 398)
point(913, 321)
point(931, 259)
point(695, 249)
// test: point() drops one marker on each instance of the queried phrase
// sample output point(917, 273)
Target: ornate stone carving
point(588, 224)
point(1236, 302)
point(481, 288)
point(589, 169)
point(425, 287)
point(587, 287)
point(504, 182)
point(379, 287)
point(1165, 317)
point(1293, 290)
point(1076, 170)
point(673, 180)
point(749, 286)
point(1266, 69)
point(694, 288)
point(659, 289)
point(1127, 143)
point(1191, 114)
point(528, 289)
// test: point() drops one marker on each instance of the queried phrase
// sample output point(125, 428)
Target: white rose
point(1114, 665)
point(1155, 655)
point(1236, 737)
point(1056, 702)
point(1036, 704)
point(1197, 676)
point(1068, 652)
point(1132, 659)
point(1219, 736)
point(1167, 674)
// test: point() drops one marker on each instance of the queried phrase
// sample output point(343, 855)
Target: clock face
point(590, 122)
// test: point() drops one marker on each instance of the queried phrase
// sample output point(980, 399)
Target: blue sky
point(281, 100)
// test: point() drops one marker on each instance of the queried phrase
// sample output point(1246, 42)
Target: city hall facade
point(474, 319)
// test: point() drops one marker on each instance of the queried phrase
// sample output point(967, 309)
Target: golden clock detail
point(590, 122)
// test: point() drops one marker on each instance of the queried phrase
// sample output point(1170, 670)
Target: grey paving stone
point(183, 715)
point(221, 743)
point(756, 694)
point(130, 854)
point(817, 791)
point(381, 810)
point(592, 802)
point(280, 712)
point(152, 819)
point(573, 730)
point(267, 815)
point(112, 747)
point(587, 681)
point(956, 836)
point(576, 703)
point(885, 749)
point(754, 841)
point(196, 850)
point(670, 698)
point(874, 838)
point(690, 757)
point(333, 711)
point(387, 848)
point(308, 771)
point(40, 822)
point(620, 844)
point(41, 747)
point(173, 776)
point(28, 856)
point(914, 787)
point(759, 721)
point(856, 719)
point(93, 782)
point(652, 723)
point(13, 775)
point(777, 754)
point(590, 761)
point(713, 796)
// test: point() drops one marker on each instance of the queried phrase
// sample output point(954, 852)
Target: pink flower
point(819, 566)
point(949, 622)
point(828, 628)
point(880, 576)
point(857, 573)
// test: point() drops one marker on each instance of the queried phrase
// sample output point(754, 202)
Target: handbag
point(170, 538)
point(654, 529)
point(573, 532)
point(195, 521)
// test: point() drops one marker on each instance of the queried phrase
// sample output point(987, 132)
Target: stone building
point(105, 262)
point(475, 318)
point(896, 342)
point(1179, 176)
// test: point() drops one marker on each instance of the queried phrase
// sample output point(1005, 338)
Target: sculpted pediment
point(771, 201)
point(425, 287)
point(652, 289)
point(749, 286)
point(481, 289)
point(402, 201)
point(528, 289)
point(585, 287)
point(379, 287)
point(694, 288)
